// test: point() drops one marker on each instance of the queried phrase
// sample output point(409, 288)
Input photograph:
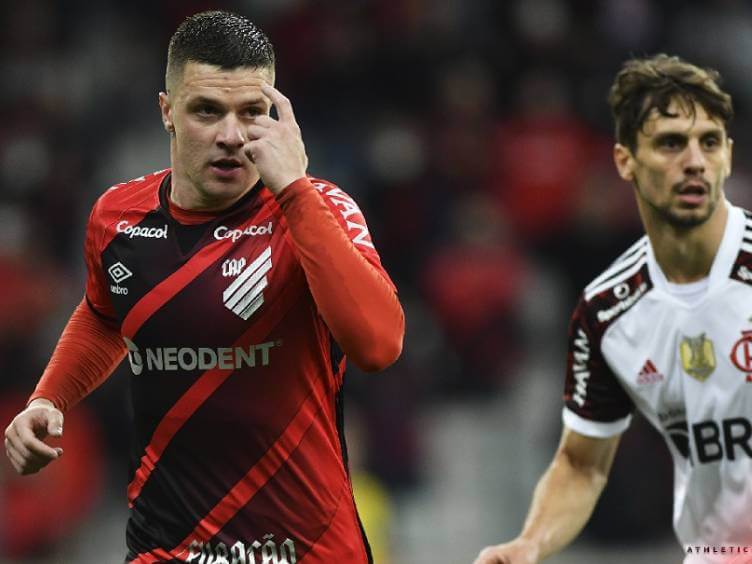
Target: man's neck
point(686, 255)
point(184, 195)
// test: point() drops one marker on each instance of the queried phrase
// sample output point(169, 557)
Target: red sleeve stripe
point(198, 393)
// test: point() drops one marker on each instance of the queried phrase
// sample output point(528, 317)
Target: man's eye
point(670, 142)
point(711, 142)
point(206, 110)
point(253, 112)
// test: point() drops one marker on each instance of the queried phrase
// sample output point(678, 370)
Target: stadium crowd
point(474, 135)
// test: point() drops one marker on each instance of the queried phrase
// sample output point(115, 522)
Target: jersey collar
point(191, 217)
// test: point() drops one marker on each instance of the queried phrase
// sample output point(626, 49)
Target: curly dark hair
point(218, 38)
point(645, 84)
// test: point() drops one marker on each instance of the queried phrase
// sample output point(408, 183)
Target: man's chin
point(221, 194)
point(226, 188)
point(688, 218)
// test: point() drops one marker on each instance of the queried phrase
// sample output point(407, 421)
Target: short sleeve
point(595, 403)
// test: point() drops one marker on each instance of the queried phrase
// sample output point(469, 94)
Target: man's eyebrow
point(713, 131)
point(201, 99)
point(258, 101)
point(683, 133)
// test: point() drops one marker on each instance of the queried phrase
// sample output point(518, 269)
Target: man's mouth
point(693, 192)
point(226, 163)
point(693, 188)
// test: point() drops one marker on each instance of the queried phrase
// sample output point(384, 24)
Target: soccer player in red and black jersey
point(236, 285)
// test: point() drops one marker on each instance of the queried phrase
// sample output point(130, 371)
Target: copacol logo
point(224, 232)
point(138, 231)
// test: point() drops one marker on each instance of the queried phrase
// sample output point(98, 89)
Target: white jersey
point(684, 359)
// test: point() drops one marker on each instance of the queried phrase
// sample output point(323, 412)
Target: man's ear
point(165, 108)
point(625, 162)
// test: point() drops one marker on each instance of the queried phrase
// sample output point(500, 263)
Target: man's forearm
point(357, 303)
point(86, 354)
point(562, 504)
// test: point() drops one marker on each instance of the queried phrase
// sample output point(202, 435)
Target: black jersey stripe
point(636, 247)
point(624, 261)
point(616, 272)
point(616, 279)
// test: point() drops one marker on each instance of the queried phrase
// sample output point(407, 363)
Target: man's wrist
point(40, 402)
point(531, 542)
point(285, 185)
point(297, 186)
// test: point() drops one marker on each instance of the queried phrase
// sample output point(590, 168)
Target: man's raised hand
point(276, 146)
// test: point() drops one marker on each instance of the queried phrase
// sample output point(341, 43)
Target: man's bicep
point(590, 454)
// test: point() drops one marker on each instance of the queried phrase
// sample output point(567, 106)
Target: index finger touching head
point(280, 101)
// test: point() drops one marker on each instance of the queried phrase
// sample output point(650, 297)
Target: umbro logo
point(245, 295)
point(649, 374)
point(119, 272)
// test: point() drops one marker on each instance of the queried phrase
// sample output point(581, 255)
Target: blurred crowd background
point(476, 137)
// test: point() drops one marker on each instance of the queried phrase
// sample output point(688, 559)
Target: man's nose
point(231, 134)
point(694, 162)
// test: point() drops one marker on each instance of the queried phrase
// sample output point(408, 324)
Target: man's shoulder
point(347, 212)
point(143, 190)
point(327, 187)
point(619, 287)
point(742, 268)
point(126, 203)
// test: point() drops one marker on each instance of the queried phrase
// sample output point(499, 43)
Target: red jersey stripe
point(173, 284)
point(155, 555)
point(196, 395)
point(170, 286)
point(329, 546)
point(249, 485)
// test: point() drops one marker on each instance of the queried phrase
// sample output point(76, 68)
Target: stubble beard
point(683, 219)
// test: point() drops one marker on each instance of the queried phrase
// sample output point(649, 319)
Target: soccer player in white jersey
point(666, 329)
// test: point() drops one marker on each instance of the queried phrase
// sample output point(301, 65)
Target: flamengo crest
point(741, 354)
point(697, 356)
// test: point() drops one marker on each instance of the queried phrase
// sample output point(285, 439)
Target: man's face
point(679, 165)
point(209, 110)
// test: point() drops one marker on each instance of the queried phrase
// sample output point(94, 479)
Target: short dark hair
point(653, 83)
point(218, 38)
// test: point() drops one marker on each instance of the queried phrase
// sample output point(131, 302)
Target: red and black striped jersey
point(238, 453)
